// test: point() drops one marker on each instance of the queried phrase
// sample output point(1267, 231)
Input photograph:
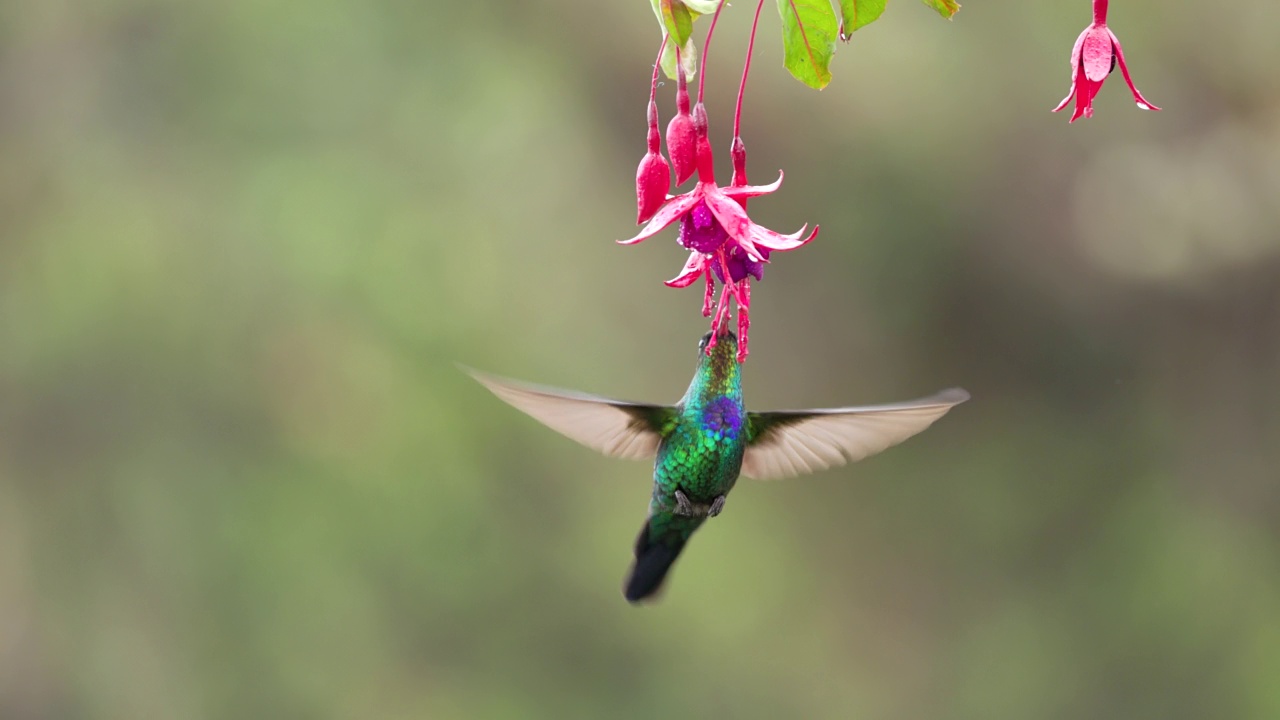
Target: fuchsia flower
point(711, 221)
point(721, 238)
point(1093, 58)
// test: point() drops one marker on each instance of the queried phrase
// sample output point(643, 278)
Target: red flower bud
point(653, 177)
point(680, 135)
point(653, 180)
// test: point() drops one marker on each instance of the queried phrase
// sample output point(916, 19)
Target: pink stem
point(682, 87)
point(653, 84)
point(730, 287)
point(729, 284)
point(655, 136)
point(723, 311)
point(738, 153)
point(1099, 12)
point(744, 317)
point(709, 295)
point(746, 68)
point(706, 165)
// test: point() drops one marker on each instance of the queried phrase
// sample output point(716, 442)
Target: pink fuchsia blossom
point(1093, 58)
point(724, 206)
point(719, 206)
point(721, 238)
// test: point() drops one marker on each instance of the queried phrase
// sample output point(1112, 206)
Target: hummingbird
point(705, 441)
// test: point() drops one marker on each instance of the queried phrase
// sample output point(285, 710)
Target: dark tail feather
point(653, 560)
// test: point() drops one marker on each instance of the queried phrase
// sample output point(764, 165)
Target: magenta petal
point(738, 192)
point(1075, 51)
point(1086, 91)
point(675, 208)
point(765, 237)
point(1067, 99)
point(692, 269)
point(731, 216)
point(1095, 53)
point(1075, 67)
point(1124, 68)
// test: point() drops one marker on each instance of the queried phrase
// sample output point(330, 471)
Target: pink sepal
point(675, 208)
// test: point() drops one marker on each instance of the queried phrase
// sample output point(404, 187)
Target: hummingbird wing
point(795, 442)
point(614, 427)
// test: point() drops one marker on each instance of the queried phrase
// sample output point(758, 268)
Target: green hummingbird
point(704, 441)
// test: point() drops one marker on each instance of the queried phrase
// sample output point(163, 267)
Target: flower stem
point(1100, 12)
point(706, 46)
point(737, 150)
point(744, 317)
point(657, 64)
point(722, 314)
point(746, 68)
point(709, 296)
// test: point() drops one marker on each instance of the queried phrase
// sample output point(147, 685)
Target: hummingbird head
point(722, 357)
point(717, 373)
point(727, 339)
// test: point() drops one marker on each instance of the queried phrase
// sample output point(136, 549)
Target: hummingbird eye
point(702, 344)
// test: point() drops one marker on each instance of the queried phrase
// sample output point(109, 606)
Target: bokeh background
point(243, 244)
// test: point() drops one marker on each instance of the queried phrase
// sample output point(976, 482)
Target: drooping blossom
point(1094, 57)
point(722, 239)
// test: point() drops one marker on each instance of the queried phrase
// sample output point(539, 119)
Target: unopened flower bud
point(653, 177)
point(653, 181)
point(680, 135)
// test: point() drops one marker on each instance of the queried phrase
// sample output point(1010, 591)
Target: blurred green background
point(242, 245)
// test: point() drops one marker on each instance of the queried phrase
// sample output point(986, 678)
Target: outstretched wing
point(790, 443)
point(614, 427)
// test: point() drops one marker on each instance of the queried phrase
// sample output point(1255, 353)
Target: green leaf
point(676, 19)
point(945, 8)
point(688, 59)
point(855, 14)
point(809, 31)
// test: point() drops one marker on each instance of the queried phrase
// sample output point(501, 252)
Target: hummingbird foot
point(716, 506)
point(684, 506)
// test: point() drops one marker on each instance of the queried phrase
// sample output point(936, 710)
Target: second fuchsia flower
point(1093, 58)
point(721, 238)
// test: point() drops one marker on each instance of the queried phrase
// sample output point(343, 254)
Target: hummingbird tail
point(657, 547)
